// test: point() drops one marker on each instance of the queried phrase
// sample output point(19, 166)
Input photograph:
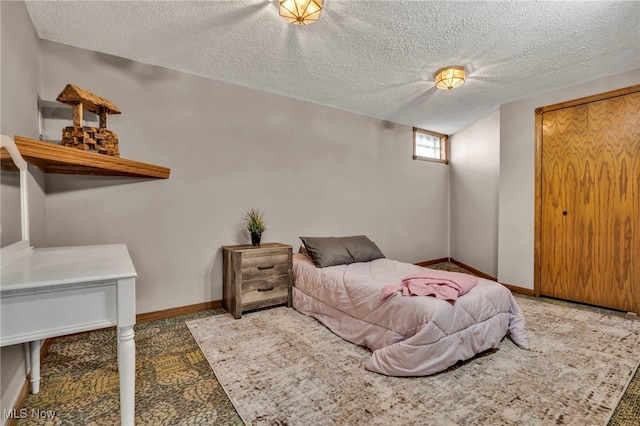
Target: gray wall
point(492, 177)
point(474, 178)
point(517, 174)
point(10, 208)
point(20, 83)
point(313, 169)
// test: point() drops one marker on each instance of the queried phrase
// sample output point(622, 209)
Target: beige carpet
point(280, 367)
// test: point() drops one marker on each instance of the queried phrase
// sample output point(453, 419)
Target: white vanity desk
point(50, 292)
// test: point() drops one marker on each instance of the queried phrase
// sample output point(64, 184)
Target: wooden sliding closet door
point(614, 127)
point(590, 203)
point(565, 272)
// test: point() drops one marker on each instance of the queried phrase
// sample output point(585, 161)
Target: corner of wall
point(21, 54)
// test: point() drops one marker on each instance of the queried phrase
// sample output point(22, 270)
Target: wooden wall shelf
point(53, 158)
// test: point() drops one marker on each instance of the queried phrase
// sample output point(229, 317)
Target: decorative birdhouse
point(78, 136)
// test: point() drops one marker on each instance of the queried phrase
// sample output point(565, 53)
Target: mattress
point(408, 335)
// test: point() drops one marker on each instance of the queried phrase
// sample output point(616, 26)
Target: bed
point(408, 335)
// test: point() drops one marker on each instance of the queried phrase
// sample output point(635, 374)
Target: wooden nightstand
point(256, 277)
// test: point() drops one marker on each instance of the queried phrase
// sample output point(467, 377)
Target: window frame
point(444, 146)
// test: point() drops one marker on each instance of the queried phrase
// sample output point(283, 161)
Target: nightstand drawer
point(265, 289)
point(264, 284)
point(264, 266)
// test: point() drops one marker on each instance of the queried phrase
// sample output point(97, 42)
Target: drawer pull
point(266, 289)
point(264, 268)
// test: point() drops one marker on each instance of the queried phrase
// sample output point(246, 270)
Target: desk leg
point(127, 349)
point(127, 372)
point(34, 348)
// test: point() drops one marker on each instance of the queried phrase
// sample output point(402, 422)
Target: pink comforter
point(408, 336)
point(443, 285)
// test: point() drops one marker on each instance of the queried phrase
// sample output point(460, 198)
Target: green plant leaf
point(255, 221)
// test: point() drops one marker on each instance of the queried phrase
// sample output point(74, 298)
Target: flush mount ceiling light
point(449, 78)
point(300, 12)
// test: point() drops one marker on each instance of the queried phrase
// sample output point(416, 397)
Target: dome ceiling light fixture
point(450, 77)
point(300, 12)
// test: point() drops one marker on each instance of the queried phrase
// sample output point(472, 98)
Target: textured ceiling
point(375, 58)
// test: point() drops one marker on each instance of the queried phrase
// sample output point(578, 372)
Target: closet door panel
point(564, 239)
point(613, 133)
point(633, 124)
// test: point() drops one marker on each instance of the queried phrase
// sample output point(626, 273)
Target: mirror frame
point(22, 247)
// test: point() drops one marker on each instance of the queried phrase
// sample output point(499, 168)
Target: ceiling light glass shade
point(449, 78)
point(300, 12)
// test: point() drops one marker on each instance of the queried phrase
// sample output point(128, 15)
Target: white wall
point(313, 169)
point(474, 175)
point(20, 83)
point(517, 174)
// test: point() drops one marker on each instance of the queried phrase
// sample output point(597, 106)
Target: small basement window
point(430, 146)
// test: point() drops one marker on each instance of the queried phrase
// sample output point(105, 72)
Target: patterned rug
point(175, 384)
point(281, 367)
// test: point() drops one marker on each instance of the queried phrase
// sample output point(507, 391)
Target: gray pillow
point(362, 249)
point(326, 251)
point(331, 251)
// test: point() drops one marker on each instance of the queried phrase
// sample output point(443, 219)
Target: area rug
point(279, 367)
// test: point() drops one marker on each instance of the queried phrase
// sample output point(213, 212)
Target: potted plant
point(255, 225)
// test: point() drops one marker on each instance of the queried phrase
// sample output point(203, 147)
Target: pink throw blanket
point(443, 285)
